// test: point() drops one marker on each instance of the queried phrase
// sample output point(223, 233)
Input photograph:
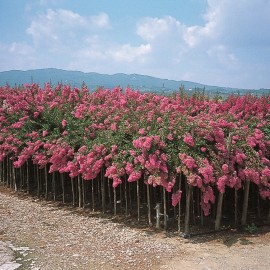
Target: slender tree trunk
point(219, 211)
point(27, 177)
point(83, 192)
point(9, 174)
point(46, 182)
point(73, 191)
point(138, 201)
point(79, 191)
point(38, 181)
point(149, 206)
point(235, 207)
point(114, 201)
point(165, 208)
point(187, 214)
point(245, 204)
point(93, 196)
point(109, 192)
point(103, 192)
point(14, 179)
point(258, 205)
point(126, 198)
point(130, 198)
point(21, 178)
point(99, 193)
point(179, 205)
point(63, 187)
point(201, 210)
point(157, 216)
point(54, 186)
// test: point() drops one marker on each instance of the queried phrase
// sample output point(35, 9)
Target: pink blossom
point(170, 137)
point(159, 119)
point(176, 197)
point(134, 176)
point(116, 181)
point(64, 123)
point(219, 135)
point(188, 139)
point(141, 131)
point(240, 158)
point(114, 127)
point(221, 183)
point(225, 168)
point(147, 143)
point(189, 162)
point(129, 168)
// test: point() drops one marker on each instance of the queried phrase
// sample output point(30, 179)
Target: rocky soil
point(38, 235)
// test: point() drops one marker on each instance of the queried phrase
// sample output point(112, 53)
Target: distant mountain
point(93, 80)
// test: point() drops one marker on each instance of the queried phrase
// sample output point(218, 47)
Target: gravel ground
point(37, 235)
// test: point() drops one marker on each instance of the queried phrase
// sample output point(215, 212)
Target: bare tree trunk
point(73, 191)
point(245, 203)
point(165, 208)
point(79, 191)
point(179, 205)
point(149, 206)
point(21, 178)
point(219, 211)
point(235, 208)
point(63, 187)
point(93, 196)
point(201, 210)
point(54, 186)
point(130, 198)
point(258, 205)
point(38, 181)
point(83, 192)
point(187, 214)
point(27, 177)
point(126, 198)
point(103, 192)
point(14, 179)
point(138, 201)
point(114, 201)
point(46, 182)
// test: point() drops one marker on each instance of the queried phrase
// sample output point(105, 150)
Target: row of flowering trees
point(121, 150)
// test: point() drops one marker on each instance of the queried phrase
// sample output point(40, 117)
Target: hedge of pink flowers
point(217, 145)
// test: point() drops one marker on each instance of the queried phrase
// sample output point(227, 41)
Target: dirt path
point(42, 236)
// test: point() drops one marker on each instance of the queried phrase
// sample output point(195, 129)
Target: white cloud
point(20, 48)
point(64, 24)
point(128, 53)
point(16, 55)
point(153, 28)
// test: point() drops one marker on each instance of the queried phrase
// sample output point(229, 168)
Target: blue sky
point(215, 42)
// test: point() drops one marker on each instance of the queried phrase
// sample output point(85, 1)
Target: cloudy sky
point(215, 42)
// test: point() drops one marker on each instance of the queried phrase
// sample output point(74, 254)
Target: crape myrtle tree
point(185, 159)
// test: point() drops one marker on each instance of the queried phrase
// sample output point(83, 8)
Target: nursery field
point(169, 162)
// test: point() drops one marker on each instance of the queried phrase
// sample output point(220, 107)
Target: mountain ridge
point(93, 80)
